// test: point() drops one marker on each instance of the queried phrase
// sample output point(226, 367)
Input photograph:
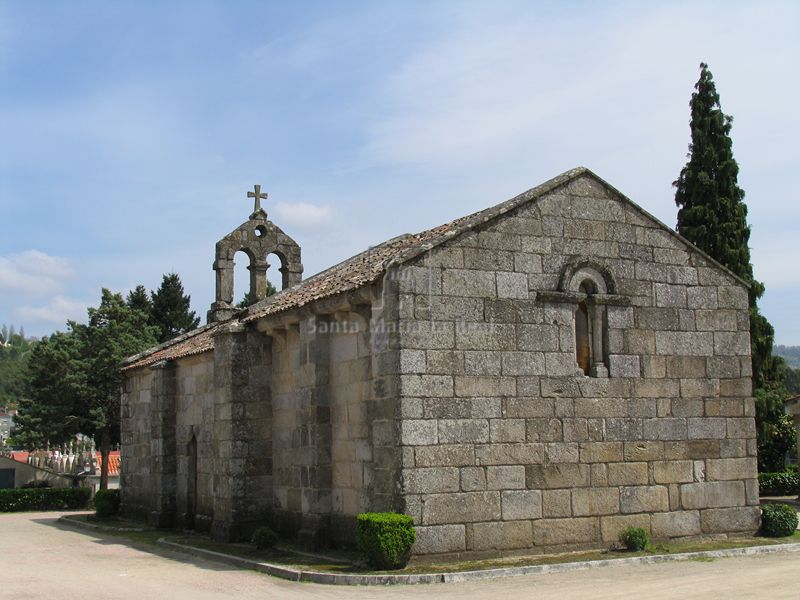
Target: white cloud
point(57, 311)
point(33, 272)
point(302, 214)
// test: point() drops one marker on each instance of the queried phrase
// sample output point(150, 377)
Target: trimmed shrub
point(385, 539)
point(106, 503)
point(784, 483)
point(18, 499)
point(634, 539)
point(778, 520)
point(264, 538)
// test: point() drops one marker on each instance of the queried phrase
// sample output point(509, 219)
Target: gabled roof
point(369, 266)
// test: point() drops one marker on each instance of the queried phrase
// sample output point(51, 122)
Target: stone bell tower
point(257, 237)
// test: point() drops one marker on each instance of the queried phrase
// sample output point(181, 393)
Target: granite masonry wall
point(506, 445)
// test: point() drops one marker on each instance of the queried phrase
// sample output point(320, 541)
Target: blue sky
point(131, 132)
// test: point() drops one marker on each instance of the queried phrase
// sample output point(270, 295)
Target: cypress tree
point(171, 312)
point(712, 213)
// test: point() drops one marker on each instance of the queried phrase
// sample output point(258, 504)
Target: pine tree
point(250, 299)
point(74, 378)
point(712, 213)
point(139, 299)
point(171, 312)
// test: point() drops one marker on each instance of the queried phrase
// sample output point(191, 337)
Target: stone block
point(637, 341)
point(627, 473)
point(560, 387)
point(643, 451)
point(724, 469)
point(445, 362)
point(473, 479)
point(732, 296)
point(431, 480)
point(427, 385)
point(706, 428)
point(556, 503)
point(645, 498)
point(724, 407)
point(733, 448)
point(463, 431)
point(686, 343)
point(612, 526)
point(675, 524)
point(742, 386)
point(619, 317)
point(509, 454)
point(463, 507)
point(698, 388)
point(446, 408)
point(693, 449)
point(455, 455)
point(624, 365)
point(427, 335)
point(657, 388)
point(728, 343)
point(544, 430)
point(623, 429)
point(529, 407)
point(549, 532)
point(600, 407)
point(595, 501)
point(701, 297)
point(575, 430)
point(537, 338)
point(523, 363)
point(726, 520)
point(507, 430)
point(482, 362)
point(506, 535)
point(512, 285)
point(712, 494)
point(439, 539)
point(486, 336)
point(686, 366)
point(467, 283)
point(687, 407)
point(561, 452)
point(670, 295)
point(466, 386)
point(522, 504)
point(480, 259)
point(664, 429)
point(643, 407)
point(741, 427)
point(673, 471)
point(418, 432)
point(564, 475)
point(601, 452)
point(510, 477)
point(486, 408)
point(560, 364)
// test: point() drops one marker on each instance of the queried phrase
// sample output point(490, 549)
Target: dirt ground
point(43, 559)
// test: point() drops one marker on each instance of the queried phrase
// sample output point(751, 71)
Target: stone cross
point(258, 197)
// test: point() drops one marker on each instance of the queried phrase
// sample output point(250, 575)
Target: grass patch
point(347, 562)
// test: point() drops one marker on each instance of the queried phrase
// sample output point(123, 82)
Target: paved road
point(41, 559)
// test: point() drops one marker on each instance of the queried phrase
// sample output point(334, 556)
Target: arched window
point(589, 323)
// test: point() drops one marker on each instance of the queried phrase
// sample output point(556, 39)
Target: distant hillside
point(791, 354)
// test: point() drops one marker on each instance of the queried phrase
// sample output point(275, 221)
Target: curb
point(72, 522)
point(389, 579)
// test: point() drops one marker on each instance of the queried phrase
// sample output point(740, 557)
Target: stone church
point(537, 375)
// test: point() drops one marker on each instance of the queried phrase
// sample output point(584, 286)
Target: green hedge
point(785, 483)
point(385, 539)
point(106, 503)
point(634, 539)
point(778, 520)
point(17, 499)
